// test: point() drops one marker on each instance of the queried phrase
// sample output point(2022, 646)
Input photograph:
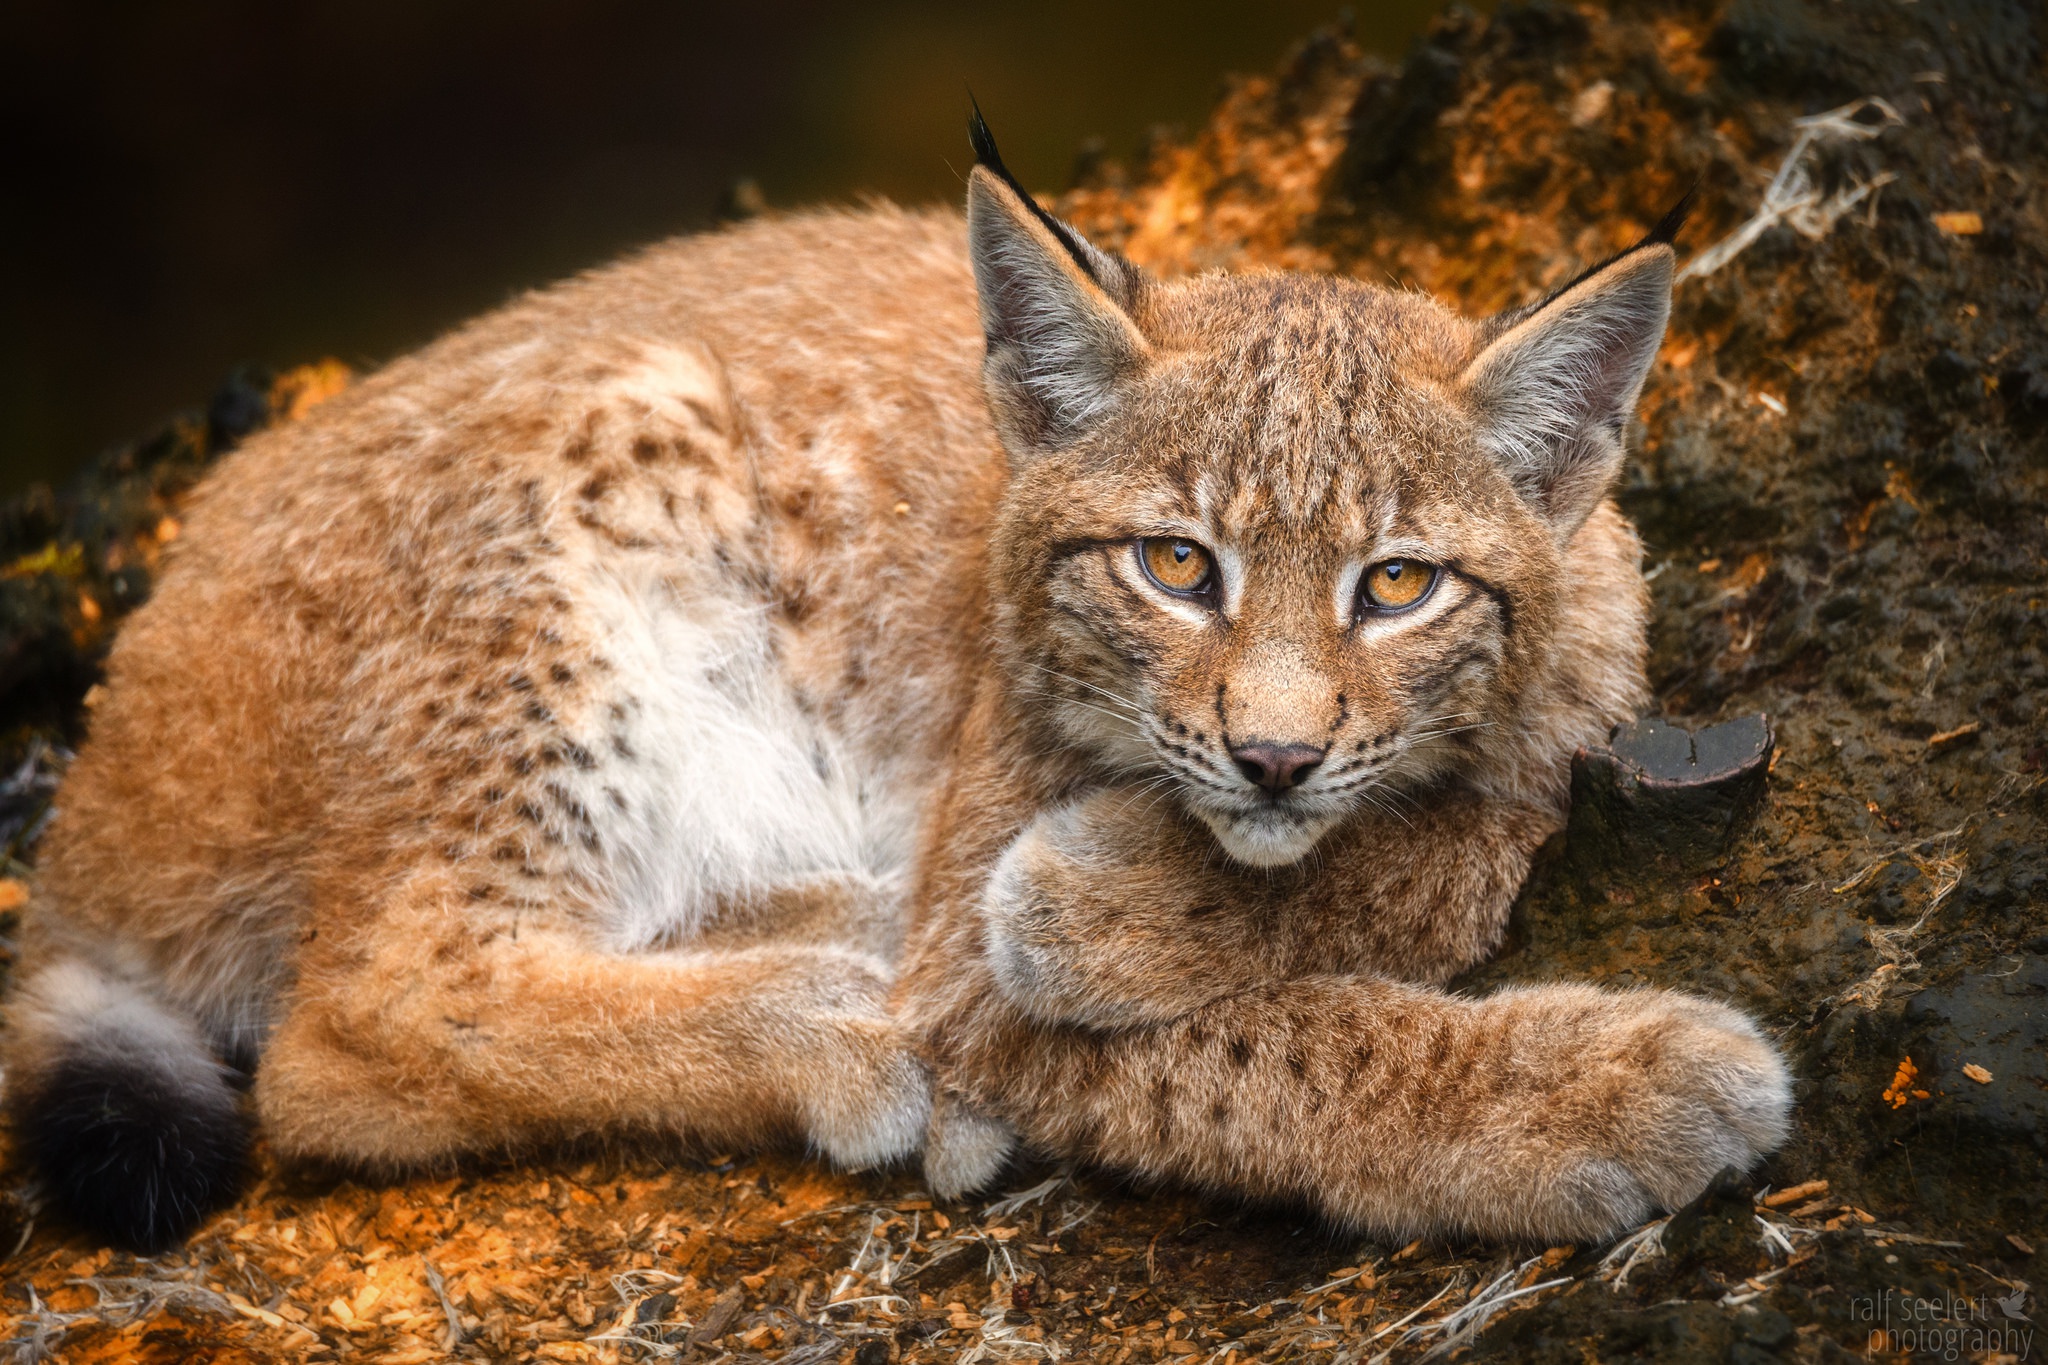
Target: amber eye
point(1394, 584)
point(1179, 566)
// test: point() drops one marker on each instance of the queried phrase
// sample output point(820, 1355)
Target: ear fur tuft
point(1053, 308)
point(1117, 276)
point(1666, 231)
point(1555, 386)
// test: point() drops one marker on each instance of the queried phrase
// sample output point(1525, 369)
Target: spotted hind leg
point(434, 1044)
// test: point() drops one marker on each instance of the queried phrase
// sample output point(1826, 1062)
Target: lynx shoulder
point(747, 692)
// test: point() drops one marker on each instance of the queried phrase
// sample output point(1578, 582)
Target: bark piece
point(1659, 797)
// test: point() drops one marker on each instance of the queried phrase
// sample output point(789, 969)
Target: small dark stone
point(924, 1329)
point(241, 405)
point(1764, 1326)
point(654, 1309)
point(873, 1351)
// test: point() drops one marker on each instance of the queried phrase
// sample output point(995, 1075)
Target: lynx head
point(1291, 545)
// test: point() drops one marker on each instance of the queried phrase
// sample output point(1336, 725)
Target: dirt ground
point(1843, 484)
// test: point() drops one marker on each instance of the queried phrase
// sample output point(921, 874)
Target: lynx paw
point(1014, 929)
point(1726, 1098)
point(875, 1106)
point(1694, 1088)
point(1040, 965)
point(964, 1151)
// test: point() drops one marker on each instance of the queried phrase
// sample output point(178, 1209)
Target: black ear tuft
point(1666, 231)
point(985, 154)
point(984, 143)
point(1661, 235)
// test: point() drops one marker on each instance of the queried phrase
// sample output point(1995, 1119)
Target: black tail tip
point(132, 1155)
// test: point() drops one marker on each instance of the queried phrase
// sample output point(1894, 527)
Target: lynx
point(888, 682)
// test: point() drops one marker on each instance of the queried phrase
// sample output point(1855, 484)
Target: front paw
point(1057, 921)
point(1021, 934)
point(1669, 1091)
point(864, 1098)
point(870, 1103)
point(1726, 1096)
point(964, 1151)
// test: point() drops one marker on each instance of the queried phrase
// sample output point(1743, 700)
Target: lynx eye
point(1397, 584)
point(1179, 566)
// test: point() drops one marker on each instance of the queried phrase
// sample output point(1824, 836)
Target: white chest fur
point(716, 785)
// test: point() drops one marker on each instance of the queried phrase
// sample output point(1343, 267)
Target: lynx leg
point(418, 1051)
point(1556, 1112)
point(823, 909)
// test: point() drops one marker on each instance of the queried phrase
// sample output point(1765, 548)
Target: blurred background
point(197, 185)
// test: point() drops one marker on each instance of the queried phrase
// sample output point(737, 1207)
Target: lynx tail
point(132, 1127)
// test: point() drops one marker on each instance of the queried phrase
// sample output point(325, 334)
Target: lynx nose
point(1276, 767)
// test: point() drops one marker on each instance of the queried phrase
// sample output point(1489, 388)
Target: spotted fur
point(588, 724)
point(1133, 949)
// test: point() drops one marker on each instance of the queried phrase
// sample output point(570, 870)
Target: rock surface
point(1842, 481)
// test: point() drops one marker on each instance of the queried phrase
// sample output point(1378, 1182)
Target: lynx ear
point(1555, 388)
point(1053, 307)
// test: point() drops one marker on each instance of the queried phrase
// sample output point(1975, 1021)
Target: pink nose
point(1276, 767)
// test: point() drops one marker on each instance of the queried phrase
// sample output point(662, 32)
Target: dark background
point(191, 186)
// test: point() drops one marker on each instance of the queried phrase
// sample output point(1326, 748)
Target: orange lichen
point(1901, 1089)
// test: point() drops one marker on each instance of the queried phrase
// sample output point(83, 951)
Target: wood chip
point(1779, 1198)
point(13, 894)
point(250, 1310)
point(1935, 741)
point(723, 1311)
point(1977, 1073)
point(2025, 1247)
point(1960, 224)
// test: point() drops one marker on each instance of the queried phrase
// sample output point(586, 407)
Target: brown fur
point(346, 800)
point(1095, 976)
point(562, 731)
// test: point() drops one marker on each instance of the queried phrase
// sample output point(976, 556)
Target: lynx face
point(1289, 545)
